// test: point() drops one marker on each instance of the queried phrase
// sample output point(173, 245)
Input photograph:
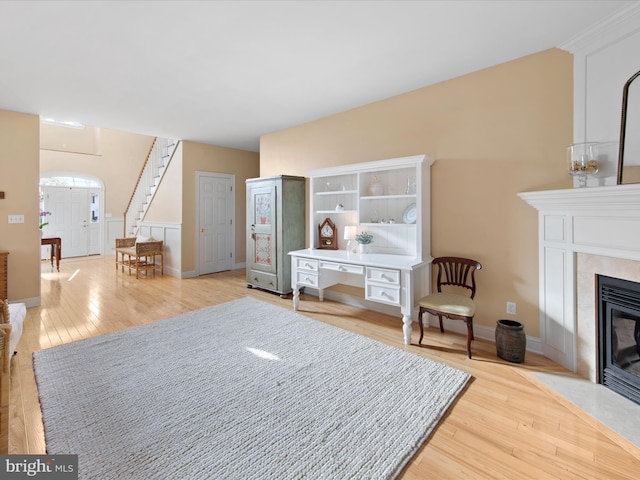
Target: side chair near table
point(457, 275)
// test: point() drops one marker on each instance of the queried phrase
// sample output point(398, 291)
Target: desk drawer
point(383, 294)
point(307, 264)
point(306, 278)
point(383, 275)
point(342, 267)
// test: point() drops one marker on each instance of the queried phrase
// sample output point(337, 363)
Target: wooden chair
point(139, 256)
point(5, 376)
point(457, 275)
point(123, 247)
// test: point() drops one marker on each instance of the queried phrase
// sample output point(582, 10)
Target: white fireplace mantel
point(618, 197)
point(601, 221)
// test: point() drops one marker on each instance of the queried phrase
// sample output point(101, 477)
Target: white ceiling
point(227, 72)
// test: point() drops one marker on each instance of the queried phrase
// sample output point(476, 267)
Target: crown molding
point(622, 23)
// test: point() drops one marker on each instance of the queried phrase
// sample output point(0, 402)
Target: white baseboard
point(29, 302)
point(482, 332)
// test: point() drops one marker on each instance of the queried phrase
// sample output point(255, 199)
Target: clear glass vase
point(582, 161)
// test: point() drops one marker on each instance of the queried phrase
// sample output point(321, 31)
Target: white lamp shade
point(350, 232)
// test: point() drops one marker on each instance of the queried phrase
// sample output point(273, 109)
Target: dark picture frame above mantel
point(629, 152)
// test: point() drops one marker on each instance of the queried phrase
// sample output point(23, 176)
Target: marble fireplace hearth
point(612, 409)
point(583, 233)
point(603, 404)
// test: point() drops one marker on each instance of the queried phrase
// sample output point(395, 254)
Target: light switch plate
point(16, 218)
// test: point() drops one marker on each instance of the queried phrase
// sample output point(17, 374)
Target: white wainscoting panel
point(171, 235)
point(114, 228)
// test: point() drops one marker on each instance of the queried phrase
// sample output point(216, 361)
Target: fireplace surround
point(582, 233)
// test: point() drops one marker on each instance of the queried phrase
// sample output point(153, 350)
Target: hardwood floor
point(505, 425)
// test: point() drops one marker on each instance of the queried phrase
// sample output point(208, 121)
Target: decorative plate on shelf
point(410, 214)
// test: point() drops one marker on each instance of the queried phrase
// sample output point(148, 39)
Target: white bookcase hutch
point(374, 196)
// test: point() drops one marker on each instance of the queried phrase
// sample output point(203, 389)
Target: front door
point(70, 220)
point(215, 222)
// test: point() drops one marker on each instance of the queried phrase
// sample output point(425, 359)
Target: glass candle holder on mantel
point(582, 161)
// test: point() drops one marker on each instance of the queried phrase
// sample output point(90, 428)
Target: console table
point(389, 279)
point(56, 249)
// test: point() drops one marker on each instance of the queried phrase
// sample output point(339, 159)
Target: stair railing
point(148, 180)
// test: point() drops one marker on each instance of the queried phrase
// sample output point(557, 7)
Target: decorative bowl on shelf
point(582, 161)
point(335, 187)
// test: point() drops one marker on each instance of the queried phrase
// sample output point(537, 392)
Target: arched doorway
point(75, 204)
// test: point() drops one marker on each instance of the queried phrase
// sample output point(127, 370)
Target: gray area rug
point(241, 390)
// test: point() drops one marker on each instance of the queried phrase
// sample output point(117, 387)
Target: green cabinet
point(275, 226)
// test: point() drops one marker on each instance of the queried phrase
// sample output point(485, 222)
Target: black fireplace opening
point(619, 336)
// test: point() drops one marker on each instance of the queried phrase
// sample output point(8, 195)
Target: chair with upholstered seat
point(455, 300)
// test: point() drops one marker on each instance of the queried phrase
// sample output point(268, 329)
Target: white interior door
point(215, 236)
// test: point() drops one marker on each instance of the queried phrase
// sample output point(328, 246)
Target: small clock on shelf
point(327, 235)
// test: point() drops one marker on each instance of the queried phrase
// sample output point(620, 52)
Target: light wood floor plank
point(505, 425)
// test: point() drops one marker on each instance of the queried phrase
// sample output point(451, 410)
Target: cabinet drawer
point(261, 279)
point(342, 267)
point(306, 278)
point(307, 264)
point(383, 294)
point(383, 275)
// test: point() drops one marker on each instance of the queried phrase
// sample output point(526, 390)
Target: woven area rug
point(241, 390)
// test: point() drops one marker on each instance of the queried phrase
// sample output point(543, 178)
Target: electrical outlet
point(511, 308)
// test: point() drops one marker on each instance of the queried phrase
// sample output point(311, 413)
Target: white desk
point(388, 279)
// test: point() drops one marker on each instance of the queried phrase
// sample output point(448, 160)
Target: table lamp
point(350, 235)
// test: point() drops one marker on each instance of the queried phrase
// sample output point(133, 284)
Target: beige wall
point(122, 155)
point(65, 138)
point(19, 151)
point(493, 133)
point(210, 158)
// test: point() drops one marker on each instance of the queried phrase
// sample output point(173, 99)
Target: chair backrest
point(149, 248)
point(125, 242)
point(4, 311)
point(457, 272)
point(5, 378)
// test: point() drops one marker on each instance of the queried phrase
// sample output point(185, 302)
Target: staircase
point(150, 177)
